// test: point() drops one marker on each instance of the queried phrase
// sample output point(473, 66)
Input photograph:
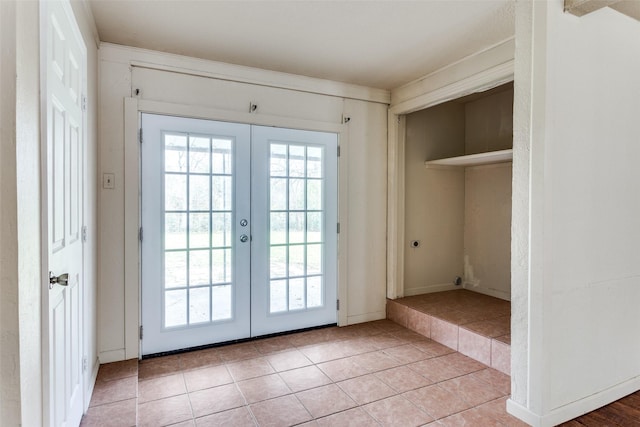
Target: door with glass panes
point(239, 231)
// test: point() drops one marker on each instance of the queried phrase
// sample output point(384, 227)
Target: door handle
point(244, 238)
point(62, 280)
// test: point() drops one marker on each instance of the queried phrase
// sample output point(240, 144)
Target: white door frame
point(133, 107)
point(44, 213)
point(481, 81)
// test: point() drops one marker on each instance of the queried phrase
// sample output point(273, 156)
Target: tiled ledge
point(492, 351)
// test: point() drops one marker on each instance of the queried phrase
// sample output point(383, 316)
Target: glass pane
point(296, 260)
point(278, 194)
point(221, 266)
point(222, 156)
point(175, 153)
point(314, 291)
point(175, 308)
point(175, 269)
point(198, 193)
point(198, 268)
point(199, 305)
point(296, 160)
point(221, 229)
point(278, 160)
point(296, 194)
point(221, 302)
point(198, 154)
point(175, 231)
point(278, 262)
point(314, 259)
point(314, 227)
point(278, 225)
point(314, 162)
point(221, 195)
point(278, 296)
point(175, 192)
point(314, 194)
point(296, 294)
point(199, 230)
point(296, 227)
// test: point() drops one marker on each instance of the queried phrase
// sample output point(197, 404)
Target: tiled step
point(478, 340)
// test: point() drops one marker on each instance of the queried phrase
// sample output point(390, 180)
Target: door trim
point(133, 108)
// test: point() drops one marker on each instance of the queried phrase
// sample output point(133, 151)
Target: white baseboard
point(111, 356)
point(491, 292)
point(408, 292)
point(367, 317)
point(522, 413)
point(91, 385)
point(574, 409)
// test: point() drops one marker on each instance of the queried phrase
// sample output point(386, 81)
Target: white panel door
point(238, 231)
point(294, 215)
point(64, 68)
point(195, 210)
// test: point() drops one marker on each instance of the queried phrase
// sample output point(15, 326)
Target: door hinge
point(338, 228)
point(140, 135)
point(140, 234)
point(84, 103)
point(140, 331)
point(338, 305)
point(84, 364)
point(84, 234)
point(338, 151)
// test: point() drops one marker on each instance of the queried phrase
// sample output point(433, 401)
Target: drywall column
point(575, 265)
point(9, 326)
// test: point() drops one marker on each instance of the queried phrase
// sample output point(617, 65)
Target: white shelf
point(500, 156)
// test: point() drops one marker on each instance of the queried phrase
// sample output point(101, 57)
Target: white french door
point(234, 221)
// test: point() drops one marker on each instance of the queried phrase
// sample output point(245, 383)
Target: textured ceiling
point(381, 44)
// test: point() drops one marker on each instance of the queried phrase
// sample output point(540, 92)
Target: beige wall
point(434, 199)
point(487, 229)
point(462, 217)
point(201, 93)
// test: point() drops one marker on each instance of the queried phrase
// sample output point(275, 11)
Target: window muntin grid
point(296, 235)
point(197, 234)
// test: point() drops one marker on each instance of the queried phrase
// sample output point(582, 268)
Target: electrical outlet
point(108, 181)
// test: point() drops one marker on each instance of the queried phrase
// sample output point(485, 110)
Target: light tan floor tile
point(164, 412)
point(403, 379)
point(366, 389)
point(213, 376)
point(342, 369)
point(304, 378)
point(397, 411)
point(161, 387)
point(325, 400)
point(280, 412)
point(288, 360)
point(216, 399)
point(250, 368)
point(114, 391)
point(239, 417)
point(118, 414)
point(263, 388)
point(436, 401)
point(356, 417)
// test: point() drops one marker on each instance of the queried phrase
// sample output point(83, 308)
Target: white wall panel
point(362, 178)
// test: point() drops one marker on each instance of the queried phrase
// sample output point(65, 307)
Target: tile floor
point(476, 325)
point(372, 374)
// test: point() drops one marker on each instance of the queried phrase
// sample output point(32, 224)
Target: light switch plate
point(108, 181)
